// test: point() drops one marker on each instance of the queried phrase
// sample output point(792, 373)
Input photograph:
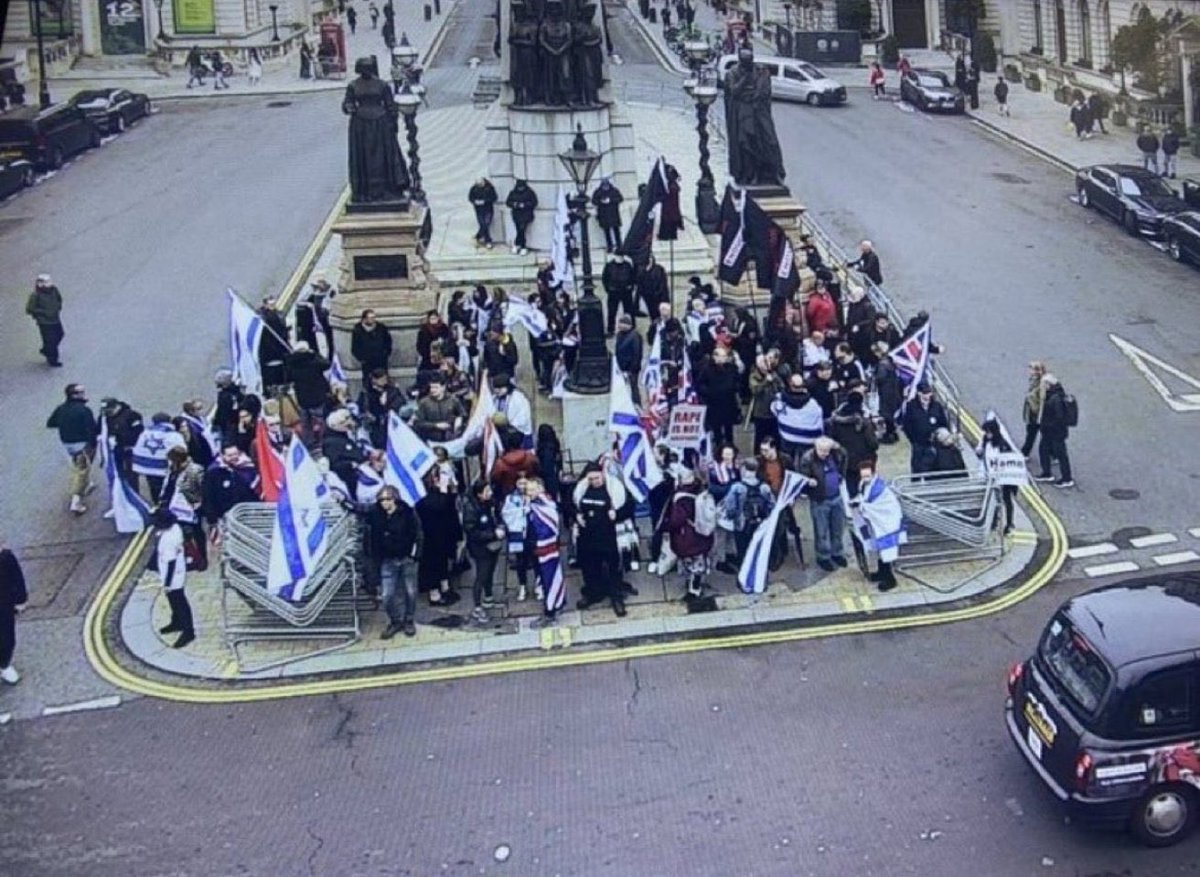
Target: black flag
point(639, 240)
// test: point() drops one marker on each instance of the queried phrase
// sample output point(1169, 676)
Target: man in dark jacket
point(717, 385)
point(854, 431)
point(600, 504)
point(485, 535)
point(1170, 150)
point(1098, 107)
point(77, 431)
point(273, 348)
point(652, 286)
point(483, 199)
point(393, 544)
point(868, 263)
point(229, 481)
point(628, 351)
point(607, 199)
point(342, 449)
point(124, 427)
point(370, 344)
point(1001, 93)
point(307, 369)
point(1053, 445)
point(522, 201)
point(824, 469)
point(619, 279)
point(1147, 144)
point(440, 416)
point(45, 307)
point(499, 355)
point(922, 417)
point(229, 400)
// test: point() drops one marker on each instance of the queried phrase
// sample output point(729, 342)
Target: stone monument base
point(382, 268)
point(585, 425)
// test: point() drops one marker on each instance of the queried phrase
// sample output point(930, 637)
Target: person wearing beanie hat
point(44, 305)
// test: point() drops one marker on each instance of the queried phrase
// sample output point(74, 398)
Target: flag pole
point(275, 334)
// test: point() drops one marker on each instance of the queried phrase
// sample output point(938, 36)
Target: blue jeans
point(397, 575)
point(829, 525)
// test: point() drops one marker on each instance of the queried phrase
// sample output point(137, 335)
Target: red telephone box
point(331, 49)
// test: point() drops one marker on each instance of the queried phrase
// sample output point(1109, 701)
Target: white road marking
point(1177, 557)
point(1092, 550)
point(5, 718)
point(1142, 361)
point(1153, 539)
point(1195, 531)
point(1109, 569)
point(99, 703)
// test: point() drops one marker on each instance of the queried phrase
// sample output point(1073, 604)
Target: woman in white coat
point(171, 563)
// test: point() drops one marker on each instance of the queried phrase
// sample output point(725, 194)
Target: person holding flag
point(878, 522)
point(128, 511)
point(300, 537)
point(752, 574)
point(543, 529)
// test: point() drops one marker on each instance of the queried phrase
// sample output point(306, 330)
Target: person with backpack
point(824, 468)
point(747, 503)
point(1060, 412)
point(691, 523)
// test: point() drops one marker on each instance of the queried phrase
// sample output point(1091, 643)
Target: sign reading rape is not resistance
point(686, 426)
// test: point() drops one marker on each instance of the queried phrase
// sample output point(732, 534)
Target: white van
point(793, 79)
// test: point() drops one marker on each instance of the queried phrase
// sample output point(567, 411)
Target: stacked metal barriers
point(326, 609)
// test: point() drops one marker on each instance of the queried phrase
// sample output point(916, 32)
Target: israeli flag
point(517, 311)
point(752, 576)
point(652, 369)
point(639, 466)
point(245, 334)
point(300, 536)
point(129, 512)
point(336, 373)
point(408, 459)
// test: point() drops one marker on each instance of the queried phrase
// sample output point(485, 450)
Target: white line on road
point(1153, 539)
point(1092, 550)
point(1177, 557)
point(99, 703)
point(1195, 531)
point(5, 718)
point(1143, 361)
point(1109, 569)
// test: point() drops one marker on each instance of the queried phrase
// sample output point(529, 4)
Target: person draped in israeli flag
point(639, 467)
point(335, 373)
point(752, 576)
point(407, 460)
point(245, 335)
point(129, 512)
point(527, 314)
point(544, 527)
point(300, 537)
point(878, 522)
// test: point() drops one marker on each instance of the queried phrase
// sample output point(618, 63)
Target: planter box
point(1033, 83)
point(1012, 73)
point(1119, 118)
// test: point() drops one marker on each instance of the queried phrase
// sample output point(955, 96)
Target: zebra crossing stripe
point(1092, 550)
point(1110, 569)
point(1177, 557)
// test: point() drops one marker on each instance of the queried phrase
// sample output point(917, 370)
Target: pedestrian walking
point(351, 19)
point(483, 199)
point(45, 307)
point(1001, 93)
point(1147, 144)
point(394, 538)
point(1059, 414)
point(1098, 107)
point(218, 68)
point(78, 432)
point(607, 199)
point(254, 67)
point(824, 469)
point(1170, 150)
point(1080, 117)
point(1031, 408)
point(13, 597)
point(994, 440)
point(170, 562)
point(306, 59)
point(972, 84)
point(373, 11)
point(195, 67)
point(960, 73)
point(522, 201)
point(877, 79)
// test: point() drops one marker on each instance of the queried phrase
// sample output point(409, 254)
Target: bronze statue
point(587, 56)
point(554, 43)
point(523, 56)
point(377, 170)
point(755, 158)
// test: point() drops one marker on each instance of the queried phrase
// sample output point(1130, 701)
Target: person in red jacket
point(819, 310)
point(690, 547)
point(511, 466)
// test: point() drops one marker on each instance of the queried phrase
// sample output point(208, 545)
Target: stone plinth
point(524, 144)
point(786, 211)
point(585, 425)
point(382, 268)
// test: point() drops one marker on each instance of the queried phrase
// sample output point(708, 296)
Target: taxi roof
point(1146, 618)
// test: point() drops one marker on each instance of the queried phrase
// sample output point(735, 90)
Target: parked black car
point(46, 137)
point(112, 109)
point(1137, 198)
point(931, 90)
point(1107, 711)
point(1181, 231)
point(15, 175)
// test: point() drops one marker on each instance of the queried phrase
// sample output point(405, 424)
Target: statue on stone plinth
point(755, 158)
point(377, 171)
point(523, 56)
point(588, 56)
point(554, 44)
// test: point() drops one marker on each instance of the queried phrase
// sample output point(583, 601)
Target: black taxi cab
point(1107, 710)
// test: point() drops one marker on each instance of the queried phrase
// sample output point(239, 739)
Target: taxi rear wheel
point(1164, 815)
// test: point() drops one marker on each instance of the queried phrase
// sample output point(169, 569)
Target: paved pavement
point(872, 756)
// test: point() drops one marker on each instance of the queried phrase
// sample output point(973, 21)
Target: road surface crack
point(637, 688)
point(312, 857)
point(344, 734)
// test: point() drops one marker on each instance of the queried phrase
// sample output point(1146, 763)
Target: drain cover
point(276, 104)
point(1010, 178)
point(1124, 493)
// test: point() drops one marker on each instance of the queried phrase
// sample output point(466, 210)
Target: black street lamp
point(274, 22)
point(592, 374)
point(787, 11)
point(43, 85)
point(162, 36)
point(704, 93)
point(409, 101)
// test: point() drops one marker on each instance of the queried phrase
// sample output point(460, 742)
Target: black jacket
point(307, 369)
point(919, 423)
point(854, 431)
point(1170, 143)
point(222, 489)
point(229, 399)
point(482, 196)
point(868, 263)
point(607, 199)
point(397, 535)
point(618, 276)
point(273, 344)
point(812, 466)
point(74, 421)
point(479, 523)
point(344, 454)
point(652, 284)
point(522, 201)
point(1147, 142)
point(628, 351)
point(718, 387)
point(12, 583)
point(124, 425)
point(1054, 413)
point(372, 347)
point(1001, 91)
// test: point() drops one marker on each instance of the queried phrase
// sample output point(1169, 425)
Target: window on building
point(57, 18)
point(1085, 32)
point(1039, 36)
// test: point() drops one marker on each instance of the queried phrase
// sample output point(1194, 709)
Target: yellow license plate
point(1039, 723)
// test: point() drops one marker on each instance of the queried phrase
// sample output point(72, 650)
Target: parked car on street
point(1181, 231)
point(793, 79)
point(931, 90)
point(15, 175)
point(1107, 710)
point(112, 109)
point(1137, 198)
point(46, 137)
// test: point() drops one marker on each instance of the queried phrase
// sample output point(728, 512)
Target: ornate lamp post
point(162, 36)
point(592, 373)
point(409, 101)
point(43, 85)
point(704, 92)
point(787, 11)
point(274, 22)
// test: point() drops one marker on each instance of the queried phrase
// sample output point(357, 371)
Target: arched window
point(1085, 32)
point(1103, 35)
point(1039, 36)
point(1060, 30)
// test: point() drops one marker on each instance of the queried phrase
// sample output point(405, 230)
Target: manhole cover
point(276, 104)
point(1124, 493)
point(1010, 178)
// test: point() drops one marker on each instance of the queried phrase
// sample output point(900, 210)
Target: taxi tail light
point(1015, 672)
point(1083, 770)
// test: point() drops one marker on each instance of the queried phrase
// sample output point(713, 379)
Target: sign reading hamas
point(122, 28)
point(195, 16)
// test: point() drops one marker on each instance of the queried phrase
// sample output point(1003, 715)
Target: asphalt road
point(870, 756)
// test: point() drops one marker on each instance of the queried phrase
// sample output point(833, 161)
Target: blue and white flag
point(652, 370)
point(752, 576)
point(408, 459)
point(879, 518)
point(912, 360)
point(639, 466)
point(245, 335)
point(129, 512)
point(300, 535)
point(518, 311)
point(336, 374)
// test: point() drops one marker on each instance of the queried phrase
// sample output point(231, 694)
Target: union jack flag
point(543, 520)
point(912, 360)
